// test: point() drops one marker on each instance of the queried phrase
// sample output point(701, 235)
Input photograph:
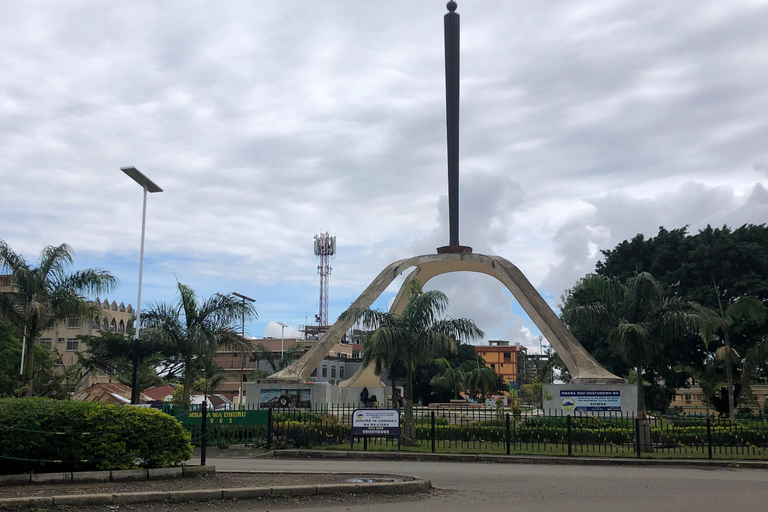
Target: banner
point(573, 400)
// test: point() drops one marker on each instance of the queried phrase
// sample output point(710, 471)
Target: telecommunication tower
point(325, 249)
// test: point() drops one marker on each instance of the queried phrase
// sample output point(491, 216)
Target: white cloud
point(266, 124)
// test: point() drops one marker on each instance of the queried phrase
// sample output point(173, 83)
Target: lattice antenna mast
point(325, 250)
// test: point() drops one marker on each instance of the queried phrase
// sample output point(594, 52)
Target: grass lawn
point(548, 449)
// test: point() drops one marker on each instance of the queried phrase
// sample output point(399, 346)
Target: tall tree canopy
point(418, 335)
point(714, 267)
point(194, 329)
point(44, 294)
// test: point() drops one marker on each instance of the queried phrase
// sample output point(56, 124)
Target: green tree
point(10, 359)
point(418, 335)
point(483, 381)
point(688, 265)
point(113, 353)
point(533, 393)
point(639, 316)
point(193, 329)
point(449, 378)
point(277, 361)
point(710, 379)
point(44, 294)
point(717, 324)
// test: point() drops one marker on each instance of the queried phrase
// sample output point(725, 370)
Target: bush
point(43, 435)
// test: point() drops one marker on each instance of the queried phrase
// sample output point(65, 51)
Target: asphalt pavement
point(524, 488)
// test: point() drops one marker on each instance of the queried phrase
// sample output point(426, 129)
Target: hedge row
point(43, 435)
point(541, 430)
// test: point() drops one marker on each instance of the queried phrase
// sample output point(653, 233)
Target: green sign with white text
point(221, 418)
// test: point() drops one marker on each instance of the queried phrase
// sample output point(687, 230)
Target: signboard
point(376, 422)
point(224, 417)
point(583, 400)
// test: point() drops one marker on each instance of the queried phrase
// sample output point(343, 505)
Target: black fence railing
point(497, 431)
point(492, 431)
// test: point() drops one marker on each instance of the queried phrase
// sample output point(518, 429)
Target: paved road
point(524, 488)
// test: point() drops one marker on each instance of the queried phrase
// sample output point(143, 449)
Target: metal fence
point(491, 431)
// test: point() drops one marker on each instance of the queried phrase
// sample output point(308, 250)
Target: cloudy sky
point(582, 124)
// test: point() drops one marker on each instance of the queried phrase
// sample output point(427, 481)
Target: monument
point(587, 374)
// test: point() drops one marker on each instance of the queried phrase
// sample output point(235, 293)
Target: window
point(105, 325)
point(45, 343)
point(333, 372)
point(687, 398)
point(508, 357)
point(493, 366)
point(245, 378)
point(73, 323)
point(72, 344)
point(341, 372)
point(96, 324)
point(325, 371)
point(113, 326)
point(121, 326)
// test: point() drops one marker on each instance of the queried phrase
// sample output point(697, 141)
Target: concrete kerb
point(517, 459)
point(122, 475)
point(406, 487)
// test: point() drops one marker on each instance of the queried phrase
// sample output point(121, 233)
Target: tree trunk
point(187, 386)
point(640, 394)
point(409, 426)
point(29, 361)
point(729, 376)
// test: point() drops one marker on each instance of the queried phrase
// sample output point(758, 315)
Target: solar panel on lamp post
point(148, 186)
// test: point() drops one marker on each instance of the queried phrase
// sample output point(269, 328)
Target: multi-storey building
point(691, 400)
point(341, 363)
point(503, 358)
point(62, 338)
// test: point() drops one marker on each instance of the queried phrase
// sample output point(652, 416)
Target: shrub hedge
point(44, 435)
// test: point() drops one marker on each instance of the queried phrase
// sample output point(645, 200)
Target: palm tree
point(289, 355)
point(450, 378)
point(754, 358)
point(746, 307)
point(416, 336)
point(482, 380)
point(709, 379)
point(194, 329)
point(44, 294)
point(640, 318)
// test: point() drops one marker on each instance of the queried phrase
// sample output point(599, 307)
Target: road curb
point(117, 475)
point(75, 500)
point(516, 459)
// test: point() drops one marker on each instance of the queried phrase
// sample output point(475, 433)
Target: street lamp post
point(148, 186)
point(282, 338)
point(242, 359)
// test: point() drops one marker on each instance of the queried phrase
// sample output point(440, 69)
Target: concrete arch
point(583, 367)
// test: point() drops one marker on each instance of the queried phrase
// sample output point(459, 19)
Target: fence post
point(568, 423)
point(432, 430)
point(637, 436)
point(204, 431)
point(709, 438)
point(269, 428)
point(508, 435)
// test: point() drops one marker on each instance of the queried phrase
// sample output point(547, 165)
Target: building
point(340, 363)
point(691, 400)
point(62, 338)
point(503, 358)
